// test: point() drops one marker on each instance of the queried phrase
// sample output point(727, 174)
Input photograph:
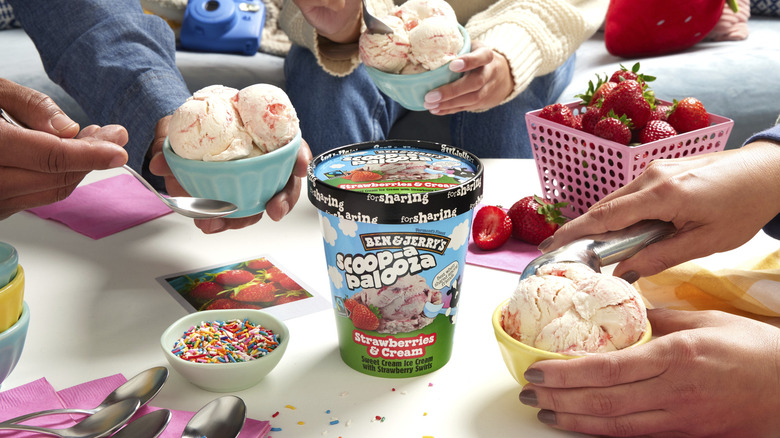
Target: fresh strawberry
point(234, 277)
point(688, 115)
point(660, 112)
point(206, 290)
point(590, 118)
point(656, 27)
point(628, 98)
point(259, 264)
point(595, 91)
point(602, 92)
point(535, 219)
point(364, 175)
point(577, 122)
point(492, 227)
point(614, 129)
point(261, 292)
point(364, 318)
point(623, 74)
point(656, 130)
point(286, 282)
point(558, 113)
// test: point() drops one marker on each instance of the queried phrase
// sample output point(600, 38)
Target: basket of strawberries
point(586, 149)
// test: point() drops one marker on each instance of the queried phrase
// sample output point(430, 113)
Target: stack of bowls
point(14, 313)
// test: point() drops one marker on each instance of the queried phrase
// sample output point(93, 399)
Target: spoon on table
point(150, 425)
point(373, 24)
point(143, 387)
point(195, 208)
point(221, 418)
point(101, 424)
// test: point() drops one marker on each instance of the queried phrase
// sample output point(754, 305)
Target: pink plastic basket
point(581, 168)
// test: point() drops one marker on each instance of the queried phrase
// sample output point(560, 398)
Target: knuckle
point(602, 405)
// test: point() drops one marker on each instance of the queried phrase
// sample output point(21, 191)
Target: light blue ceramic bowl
point(410, 90)
point(12, 343)
point(249, 183)
point(9, 260)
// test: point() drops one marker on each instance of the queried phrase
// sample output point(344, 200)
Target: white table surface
point(97, 310)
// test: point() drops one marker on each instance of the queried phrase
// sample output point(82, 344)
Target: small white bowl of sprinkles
point(225, 350)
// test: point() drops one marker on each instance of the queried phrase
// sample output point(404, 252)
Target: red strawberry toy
point(656, 27)
point(491, 228)
point(535, 219)
point(688, 115)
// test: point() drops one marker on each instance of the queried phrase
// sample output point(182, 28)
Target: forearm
point(115, 61)
point(769, 141)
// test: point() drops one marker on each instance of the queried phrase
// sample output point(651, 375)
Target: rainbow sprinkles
point(225, 342)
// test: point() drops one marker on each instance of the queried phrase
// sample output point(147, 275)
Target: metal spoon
point(373, 24)
point(221, 418)
point(99, 425)
point(196, 208)
point(150, 425)
point(143, 387)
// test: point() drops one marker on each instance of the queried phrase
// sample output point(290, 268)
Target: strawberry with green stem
point(535, 219)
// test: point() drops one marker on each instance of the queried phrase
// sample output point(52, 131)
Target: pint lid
point(395, 181)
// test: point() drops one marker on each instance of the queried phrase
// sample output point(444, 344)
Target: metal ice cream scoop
point(605, 249)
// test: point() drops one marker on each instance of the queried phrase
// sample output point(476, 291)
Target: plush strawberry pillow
point(656, 27)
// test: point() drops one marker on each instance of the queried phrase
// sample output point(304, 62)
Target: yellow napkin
point(752, 289)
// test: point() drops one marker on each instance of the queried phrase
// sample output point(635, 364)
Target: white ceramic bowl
point(225, 377)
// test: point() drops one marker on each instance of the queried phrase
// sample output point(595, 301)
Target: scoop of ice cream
point(268, 116)
point(435, 42)
point(401, 304)
point(221, 123)
point(431, 25)
point(207, 127)
point(386, 52)
point(569, 308)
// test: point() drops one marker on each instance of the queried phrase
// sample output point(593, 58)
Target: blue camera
point(233, 26)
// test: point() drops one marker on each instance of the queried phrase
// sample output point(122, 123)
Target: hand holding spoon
point(195, 208)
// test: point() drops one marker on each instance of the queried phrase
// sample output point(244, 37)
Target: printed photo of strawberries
point(234, 277)
point(286, 282)
point(206, 290)
point(291, 296)
point(259, 264)
point(262, 292)
point(364, 318)
point(227, 303)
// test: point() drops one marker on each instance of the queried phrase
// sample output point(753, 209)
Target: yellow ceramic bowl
point(12, 300)
point(519, 356)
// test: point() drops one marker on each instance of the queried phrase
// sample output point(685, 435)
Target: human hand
point(486, 83)
point(708, 374)
point(45, 162)
point(717, 202)
point(277, 207)
point(336, 20)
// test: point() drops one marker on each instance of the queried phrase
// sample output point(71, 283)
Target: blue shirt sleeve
point(773, 227)
point(116, 61)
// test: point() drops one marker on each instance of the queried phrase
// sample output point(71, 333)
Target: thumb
point(36, 110)
point(665, 321)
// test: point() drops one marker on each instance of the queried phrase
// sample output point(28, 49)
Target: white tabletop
point(97, 310)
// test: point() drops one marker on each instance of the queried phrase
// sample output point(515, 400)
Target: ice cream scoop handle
point(616, 246)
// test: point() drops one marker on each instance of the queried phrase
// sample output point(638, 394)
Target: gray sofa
point(735, 79)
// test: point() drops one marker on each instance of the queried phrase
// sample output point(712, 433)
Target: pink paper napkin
point(513, 256)
point(39, 395)
point(105, 207)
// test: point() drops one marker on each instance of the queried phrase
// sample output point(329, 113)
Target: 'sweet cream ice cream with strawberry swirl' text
point(395, 218)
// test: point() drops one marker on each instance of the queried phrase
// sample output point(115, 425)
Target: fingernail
point(457, 65)
point(528, 397)
point(61, 122)
point(630, 276)
point(547, 417)
point(534, 375)
point(433, 96)
point(545, 243)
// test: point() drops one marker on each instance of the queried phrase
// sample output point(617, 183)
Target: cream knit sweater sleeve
point(535, 36)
